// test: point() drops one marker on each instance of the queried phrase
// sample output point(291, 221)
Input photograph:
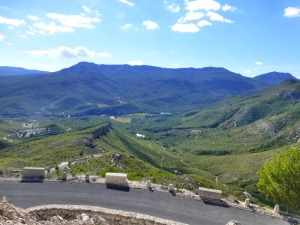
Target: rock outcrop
point(11, 215)
point(74, 215)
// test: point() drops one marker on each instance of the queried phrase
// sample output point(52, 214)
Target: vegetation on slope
point(279, 179)
point(80, 89)
point(222, 146)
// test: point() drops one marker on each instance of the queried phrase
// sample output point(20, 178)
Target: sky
point(246, 37)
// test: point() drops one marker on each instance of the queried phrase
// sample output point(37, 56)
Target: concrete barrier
point(148, 183)
point(210, 193)
point(171, 188)
point(116, 179)
point(247, 202)
point(65, 176)
point(87, 178)
point(276, 209)
point(34, 172)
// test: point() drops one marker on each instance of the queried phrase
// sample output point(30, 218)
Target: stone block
point(65, 176)
point(170, 187)
point(148, 183)
point(87, 178)
point(276, 209)
point(116, 179)
point(247, 202)
point(34, 172)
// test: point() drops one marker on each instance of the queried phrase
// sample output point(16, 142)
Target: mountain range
point(17, 71)
point(91, 89)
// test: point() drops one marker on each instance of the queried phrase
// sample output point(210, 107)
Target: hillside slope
point(271, 116)
point(232, 139)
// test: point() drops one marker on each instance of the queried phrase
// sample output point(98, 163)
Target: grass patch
point(122, 119)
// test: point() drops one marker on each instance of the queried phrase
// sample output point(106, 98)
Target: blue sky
point(246, 37)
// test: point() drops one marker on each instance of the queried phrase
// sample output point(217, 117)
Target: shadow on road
point(32, 180)
point(173, 193)
point(118, 187)
point(215, 202)
point(150, 189)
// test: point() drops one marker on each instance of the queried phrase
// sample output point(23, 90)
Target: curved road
point(163, 205)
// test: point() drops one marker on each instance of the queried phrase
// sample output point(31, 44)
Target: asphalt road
point(158, 204)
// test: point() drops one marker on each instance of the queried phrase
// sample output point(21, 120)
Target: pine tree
point(280, 179)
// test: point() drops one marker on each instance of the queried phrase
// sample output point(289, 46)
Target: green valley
point(217, 142)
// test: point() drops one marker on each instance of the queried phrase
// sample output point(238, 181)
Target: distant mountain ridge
point(88, 88)
point(274, 77)
point(125, 69)
point(12, 71)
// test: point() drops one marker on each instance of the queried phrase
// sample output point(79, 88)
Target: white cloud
point(292, 12)
point(51, 28)
point(175, 65)
point(1, 37)
point(86, 9)
point(173, 8)
point(104, 54)
point(68, 52)
point(213, 16)
point(54, 22)
point(9, 44)
point(127, 26)
point(79, 21)
point(196, 11)
point(258, 63)
point(202, 5)
point(191, 16)
point(136, 63)
point(127, 2)
point(150, 25)
point(185, 27)
point(11, 21)
point(247, 71)
point(34, 18)
point(227, 7)
point(203, 23)
point(31, 31)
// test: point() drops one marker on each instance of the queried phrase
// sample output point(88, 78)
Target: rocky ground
point(11, 215)
point(232, 202)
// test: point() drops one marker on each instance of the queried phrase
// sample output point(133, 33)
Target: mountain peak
point(274, 77)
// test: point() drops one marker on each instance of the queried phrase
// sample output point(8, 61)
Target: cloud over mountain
point(77, 52)
point(198, 9)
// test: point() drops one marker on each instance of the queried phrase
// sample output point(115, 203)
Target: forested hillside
point(91, 89)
